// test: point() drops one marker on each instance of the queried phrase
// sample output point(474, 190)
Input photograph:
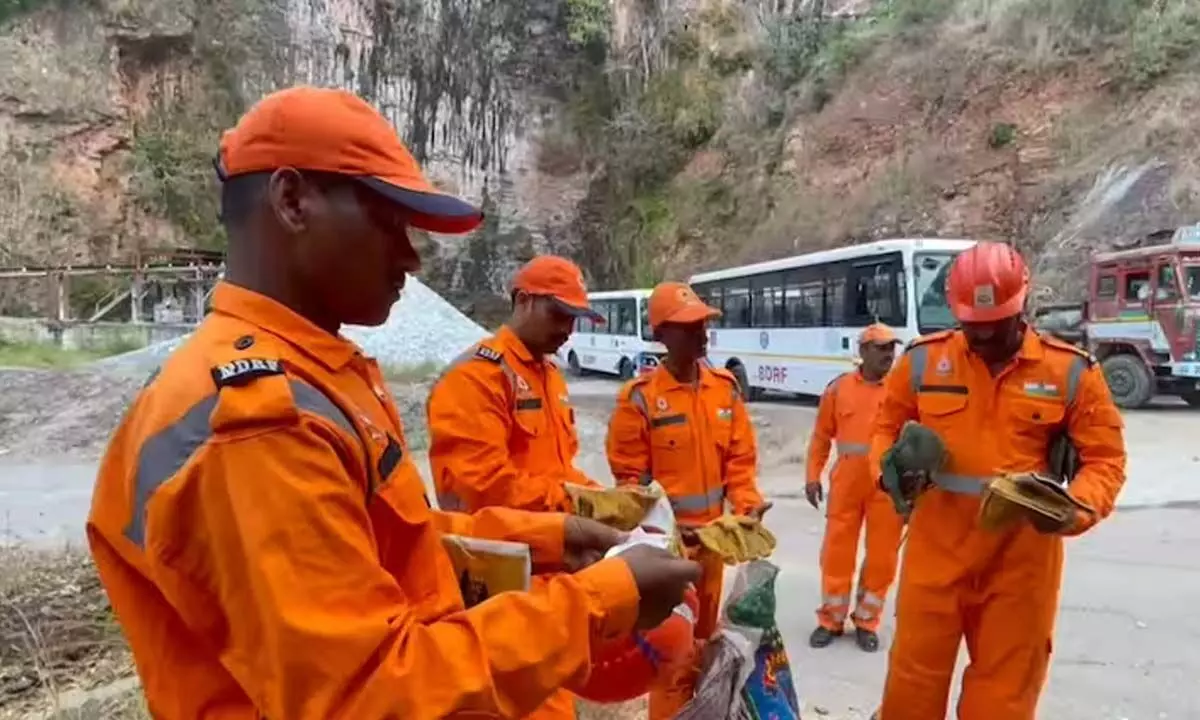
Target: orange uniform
point(502, 430)
point(501, 425)
point(269, 550)
point(846, 417)
point(696, 441)
point(999, 590)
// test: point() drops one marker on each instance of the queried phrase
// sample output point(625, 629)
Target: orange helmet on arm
point(988, 282)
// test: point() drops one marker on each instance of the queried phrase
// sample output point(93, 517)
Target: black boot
point(867, 641)
point(823, 637)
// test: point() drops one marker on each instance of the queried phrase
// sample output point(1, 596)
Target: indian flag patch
point(724, 413)
point(1041, 389)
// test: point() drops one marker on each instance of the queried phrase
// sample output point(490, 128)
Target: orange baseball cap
point(676, 302)
point(878, 334)
point(334, 131)
point(559, 278)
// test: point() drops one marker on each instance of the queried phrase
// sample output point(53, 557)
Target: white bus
point(791, 325)
point(623, 346)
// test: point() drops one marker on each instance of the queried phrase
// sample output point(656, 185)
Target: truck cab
point(1141, 319)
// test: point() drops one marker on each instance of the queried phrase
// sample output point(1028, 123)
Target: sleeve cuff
point(545, 535)
point(611, 586)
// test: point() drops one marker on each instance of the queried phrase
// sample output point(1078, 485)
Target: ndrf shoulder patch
point(490, 354)
point(242, 371)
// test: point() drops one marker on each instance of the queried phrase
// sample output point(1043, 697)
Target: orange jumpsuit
point(269, 550)
point(846, 416)
point(502, 434)
point(502, 430)
point(696, 441)
point(999, 590)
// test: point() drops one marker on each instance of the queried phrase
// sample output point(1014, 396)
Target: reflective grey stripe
point(450, 502)
point(638, 398)
point(1074, 377)
point(668, 421)
point(165, 453)
point(920, 356)
point(848, 448)
point(870, 599)
point(700, 502)
point(960, 484)
point(834, 601)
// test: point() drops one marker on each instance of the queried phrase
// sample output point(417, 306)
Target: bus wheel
point(625, 370)
point(573, 364)
point(1128, 380)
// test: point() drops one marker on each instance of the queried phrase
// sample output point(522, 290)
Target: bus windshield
point(933, 310)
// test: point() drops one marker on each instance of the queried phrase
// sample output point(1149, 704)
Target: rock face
point(646, 138)
point(113, 108)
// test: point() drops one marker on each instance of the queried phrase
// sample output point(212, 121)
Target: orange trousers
point(677, 684)
point(854, 501)
point(998, 590)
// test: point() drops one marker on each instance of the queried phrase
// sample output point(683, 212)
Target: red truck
point(1141, 319)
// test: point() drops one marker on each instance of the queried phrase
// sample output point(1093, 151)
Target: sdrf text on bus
point(791, 324)
point(622, 346)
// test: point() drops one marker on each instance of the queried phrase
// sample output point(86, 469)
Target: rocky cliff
point(646, 137)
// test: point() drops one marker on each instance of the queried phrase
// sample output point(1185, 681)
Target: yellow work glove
point(1043, 502)
point(736, 539)
point(622, 508)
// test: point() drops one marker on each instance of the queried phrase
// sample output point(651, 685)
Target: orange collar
point(332, 351)
point(509, 340)
point(666, 381)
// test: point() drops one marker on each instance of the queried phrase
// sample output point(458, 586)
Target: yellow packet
point(488, 567)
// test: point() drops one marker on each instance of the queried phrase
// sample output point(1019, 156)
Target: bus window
point(601, 308)
point(626, 317)
point(875, 295)
point(933, 309)
point(737, 303)
point(644, 320)
point(583, 324)
point(803, 298)
point(835, 298)
point(768, 300)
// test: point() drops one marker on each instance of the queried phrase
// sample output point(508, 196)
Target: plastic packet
point(488, 567)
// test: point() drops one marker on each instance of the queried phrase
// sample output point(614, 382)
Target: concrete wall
point(104, 336)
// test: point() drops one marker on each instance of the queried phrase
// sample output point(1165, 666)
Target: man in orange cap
point(845, 416)
point(257, 522)
point(1000, 397)
point(685, 426)
point(501, 426)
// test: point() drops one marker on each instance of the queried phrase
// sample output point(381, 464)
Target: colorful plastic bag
point(770, 692)
point(746, 674)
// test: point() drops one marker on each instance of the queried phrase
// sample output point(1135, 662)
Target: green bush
point(1161, 42)
point(12, 9)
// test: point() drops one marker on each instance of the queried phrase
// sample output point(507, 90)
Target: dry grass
point(57, 635)
point(58, 639)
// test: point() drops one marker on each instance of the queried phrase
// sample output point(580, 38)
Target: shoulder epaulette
point(724, 374)
point(244, 370)
point(930, 338)
point(492, 355)
point(1060, 344)
point(830, 385)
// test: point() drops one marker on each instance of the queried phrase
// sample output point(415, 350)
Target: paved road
point(1128, 645)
